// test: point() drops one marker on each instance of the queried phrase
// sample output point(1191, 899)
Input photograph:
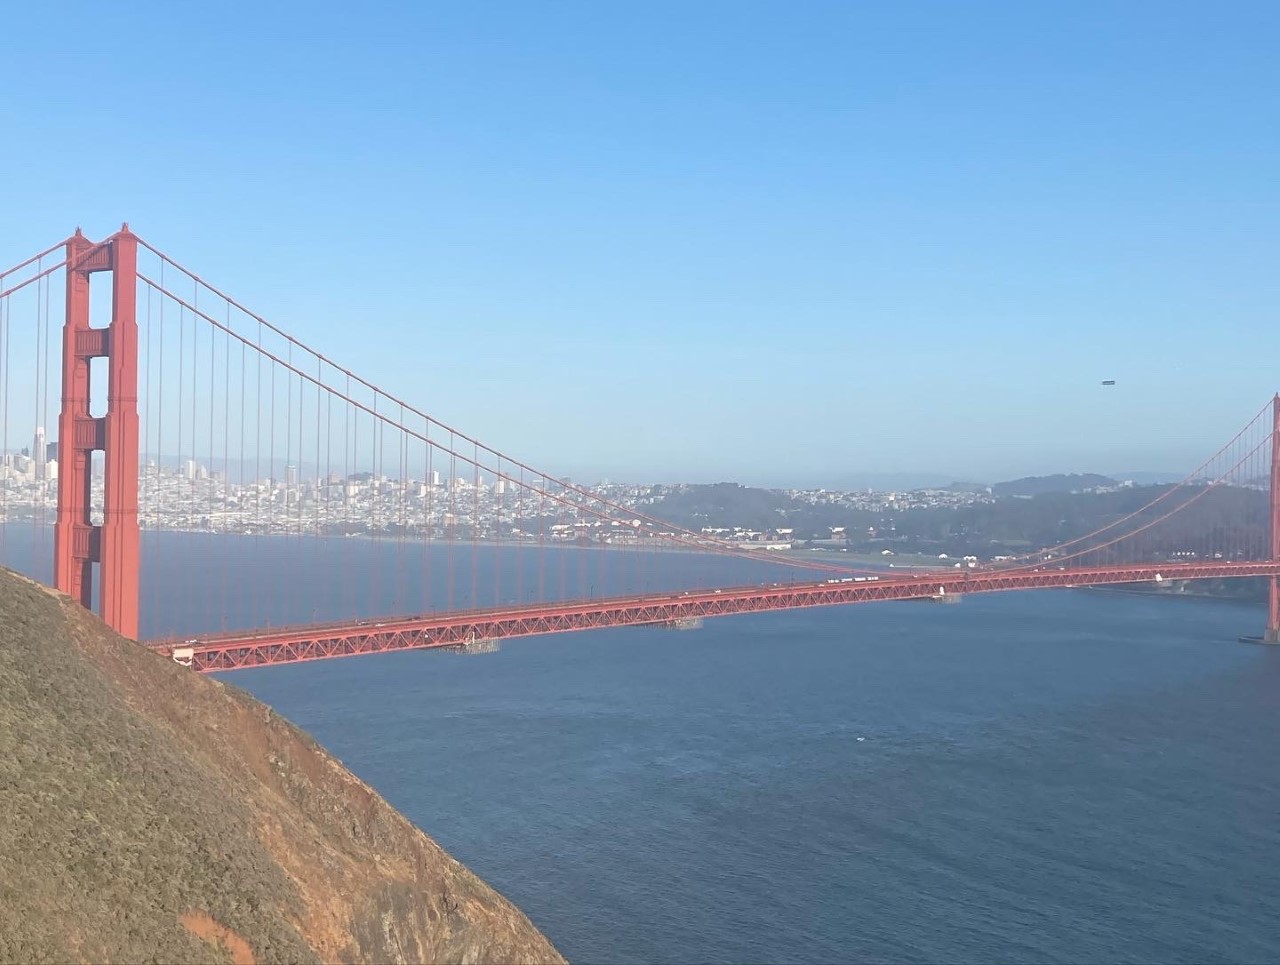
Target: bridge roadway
point(232, 651)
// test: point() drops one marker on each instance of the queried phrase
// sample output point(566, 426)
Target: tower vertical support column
point(74, 552)
point(120, 534)
point(78, 543)
point(1272, 634)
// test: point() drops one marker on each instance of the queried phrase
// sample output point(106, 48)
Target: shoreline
point(1161, 595)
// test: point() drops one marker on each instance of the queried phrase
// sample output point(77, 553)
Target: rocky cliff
point(150, 814)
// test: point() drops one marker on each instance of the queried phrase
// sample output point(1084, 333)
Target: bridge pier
point(684, 623)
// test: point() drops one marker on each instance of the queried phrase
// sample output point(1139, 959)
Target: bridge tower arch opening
point(79, 543)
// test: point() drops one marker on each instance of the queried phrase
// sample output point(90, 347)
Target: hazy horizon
point(767, 479)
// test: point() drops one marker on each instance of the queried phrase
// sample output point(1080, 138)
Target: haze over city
point(729, 241)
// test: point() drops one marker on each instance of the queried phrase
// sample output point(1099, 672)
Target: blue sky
point(783, 243)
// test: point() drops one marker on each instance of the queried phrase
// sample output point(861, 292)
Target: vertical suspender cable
point(453, 517)
point(44, 414)
point(375, 481)
point(148, 480)
point(475, 528)
point(163, 543)
point(193, 467)
point(224, 504)
point(519, 540)
point(317, 545)
point(35, 412)
point(4, 417)
point(181, 538)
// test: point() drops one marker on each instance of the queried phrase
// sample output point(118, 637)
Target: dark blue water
point(193, 583)
point(1041, 776)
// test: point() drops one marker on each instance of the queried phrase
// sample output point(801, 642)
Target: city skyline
point(178, 491)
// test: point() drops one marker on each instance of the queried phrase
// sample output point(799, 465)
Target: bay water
point(1053, 776)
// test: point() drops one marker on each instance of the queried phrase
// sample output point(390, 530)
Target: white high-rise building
point(38, 453)
point(435, 478)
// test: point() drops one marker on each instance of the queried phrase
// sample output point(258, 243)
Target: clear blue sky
point(784, 243)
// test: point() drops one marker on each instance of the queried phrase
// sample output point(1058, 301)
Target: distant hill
point(726, 504)
point(1037, 512)
point(1057, 483)
point(1146, 478)
point(151, 814)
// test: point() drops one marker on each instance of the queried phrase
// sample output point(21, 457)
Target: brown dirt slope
point(150, 814)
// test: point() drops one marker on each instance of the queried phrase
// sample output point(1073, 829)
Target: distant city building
point(38, 453)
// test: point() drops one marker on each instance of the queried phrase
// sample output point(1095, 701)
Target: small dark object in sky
point(1109, 382)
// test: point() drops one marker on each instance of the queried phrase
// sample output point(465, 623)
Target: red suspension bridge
point(241, 499)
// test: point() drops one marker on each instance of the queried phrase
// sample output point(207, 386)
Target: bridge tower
point(1272, 634)
point(77, 543)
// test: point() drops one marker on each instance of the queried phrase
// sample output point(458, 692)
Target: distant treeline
point(1058, 483)
point(1228, 520)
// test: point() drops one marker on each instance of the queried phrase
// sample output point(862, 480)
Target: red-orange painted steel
point(74, 539)
point(120, 534)
point(78, 544)
point(383, 635)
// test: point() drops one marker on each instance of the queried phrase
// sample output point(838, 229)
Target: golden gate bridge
point(213, 422)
